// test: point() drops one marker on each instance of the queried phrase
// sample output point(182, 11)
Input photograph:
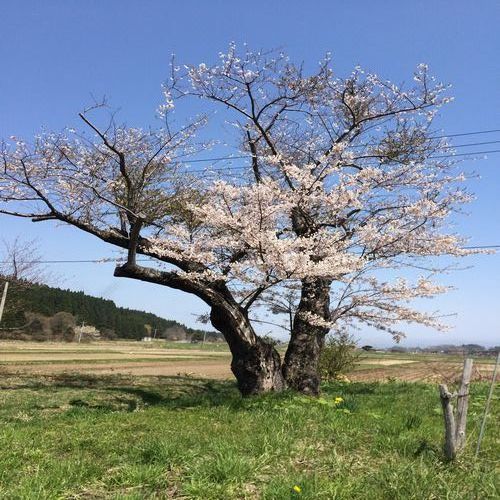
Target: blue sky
point(55, 54)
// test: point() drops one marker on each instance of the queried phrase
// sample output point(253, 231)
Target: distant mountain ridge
point(104, 314)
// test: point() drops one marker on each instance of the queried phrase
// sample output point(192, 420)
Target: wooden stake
point(463, 404)
point(454, 428)
point(450, 449)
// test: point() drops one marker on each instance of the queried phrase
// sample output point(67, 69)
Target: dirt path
point(386, 362)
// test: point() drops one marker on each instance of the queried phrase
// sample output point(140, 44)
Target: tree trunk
point(257, 369)
point(300, 368)
point(255, 364)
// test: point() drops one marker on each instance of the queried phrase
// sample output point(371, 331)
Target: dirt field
point(136, 358)
point(131, 358)
point(428, 371)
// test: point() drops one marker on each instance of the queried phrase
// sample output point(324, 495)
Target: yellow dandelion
point(297, 489)
point(338, 400)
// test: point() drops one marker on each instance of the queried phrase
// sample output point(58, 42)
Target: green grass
point(84, 437)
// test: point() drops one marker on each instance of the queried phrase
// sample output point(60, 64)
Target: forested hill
point(101, 313)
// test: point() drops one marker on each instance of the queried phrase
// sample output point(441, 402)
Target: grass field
point(85, 433)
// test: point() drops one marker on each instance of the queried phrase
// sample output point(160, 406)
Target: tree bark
point(300, 367)
point(255, 363)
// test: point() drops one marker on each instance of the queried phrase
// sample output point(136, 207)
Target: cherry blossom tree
point(334, 216)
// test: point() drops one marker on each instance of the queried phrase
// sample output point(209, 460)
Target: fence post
point(454, 427)
point(463, 404)
point(450, 448)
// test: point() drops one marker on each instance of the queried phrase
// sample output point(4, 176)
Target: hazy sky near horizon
point(57, 53)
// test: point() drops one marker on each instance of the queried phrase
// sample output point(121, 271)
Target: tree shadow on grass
point(115, 392)
point(184, 392)
point(123, 392)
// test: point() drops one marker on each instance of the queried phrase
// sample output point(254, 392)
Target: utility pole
point(80, 332)
point(4, 298)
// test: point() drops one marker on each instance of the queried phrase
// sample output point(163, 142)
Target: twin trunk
point(257, 365)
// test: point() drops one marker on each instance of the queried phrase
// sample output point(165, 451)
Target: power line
point(111, 260)
point(466, 133)
point(106, 260)
point(479, 247)
point(240, 167)
point(473, 153)
point(462, 134)
point(471, 144)
point(240, 157)
point(199, 160)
